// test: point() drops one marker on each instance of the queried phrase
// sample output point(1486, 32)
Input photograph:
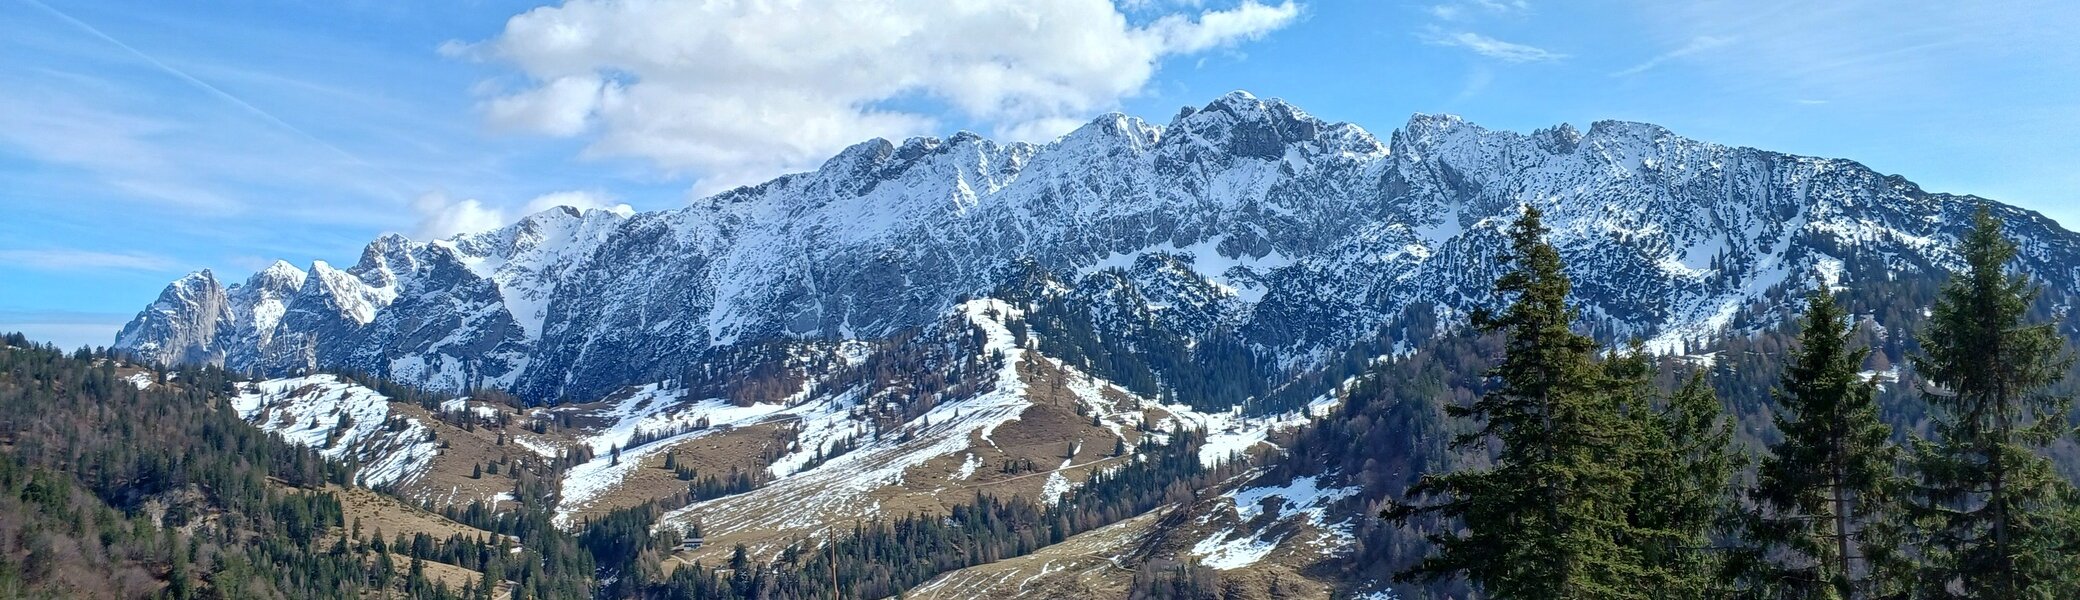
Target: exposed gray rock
point(1246, 214)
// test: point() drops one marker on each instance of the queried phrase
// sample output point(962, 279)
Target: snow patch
point(1302, 498)
point(1229, 433)
point(1238, 276)
point(342, 421)
point(474, 408)
point(843, 485)
point(1221, 552)
point(968, 467)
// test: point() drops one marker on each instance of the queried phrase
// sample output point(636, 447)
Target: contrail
point(223, 95)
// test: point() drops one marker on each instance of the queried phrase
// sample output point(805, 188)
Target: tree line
point(1592, 481)
point(883, 557)
point(113, 489)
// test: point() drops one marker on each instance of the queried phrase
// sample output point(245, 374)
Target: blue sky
point(142, 140)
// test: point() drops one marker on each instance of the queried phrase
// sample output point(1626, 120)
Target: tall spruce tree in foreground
point(1994, 520)
point(1549, 519)
point(1817, 522)
point(1685, 464)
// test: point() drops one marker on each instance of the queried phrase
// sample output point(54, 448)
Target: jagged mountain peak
point(279, 275)
point(1243, 125)
point(1558, 139)
point(1629, 130)
point(194, 280)
point(1308, 236)
point(1429, 123)
point(1112, 130)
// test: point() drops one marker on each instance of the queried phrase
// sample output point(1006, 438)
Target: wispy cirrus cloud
point(212, 90)
point(1452, 11)
point(1697, 44)
point(1491, 47)
point(65, 259)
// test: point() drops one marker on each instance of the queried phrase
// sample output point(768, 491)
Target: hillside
point(124, 481)
point(1141, 361)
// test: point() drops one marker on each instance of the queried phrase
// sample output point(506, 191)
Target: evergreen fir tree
point(1994, 519)
point(1549, 519)
point(1816, 524)
point(1685, 464)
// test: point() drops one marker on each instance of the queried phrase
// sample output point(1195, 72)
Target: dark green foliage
point(1817, 522)
point(1597, 488)
point(1211, 372)
point(710, 487)
point(834, 449)
point(1993, 517)
point(1685, 465)
point(117, 483)
point(1389, 430)
point(881, 558)
point(551, 563)
point(397, 391)
point(1165, 580)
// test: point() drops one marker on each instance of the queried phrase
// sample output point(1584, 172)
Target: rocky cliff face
point(1247, 215)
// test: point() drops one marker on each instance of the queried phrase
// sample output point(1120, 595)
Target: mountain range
point(915, 325)
point(1249, 215)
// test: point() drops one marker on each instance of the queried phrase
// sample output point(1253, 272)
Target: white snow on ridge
point(844, 485)
point(820, 427)
point(1229, 433)
point(653, 409)
point(268, 305)
point(1830, 271)
point(1224, 552)
point(968, 467)
point(343, 421)
point(824, 417)
point(462, 404)
point(1301, 498)
point(529, 259)
point(536, 446)
point(1207, 260)
point(1058, 484)
point(357, 299)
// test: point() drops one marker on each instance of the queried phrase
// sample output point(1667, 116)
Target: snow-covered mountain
point(1246, 216)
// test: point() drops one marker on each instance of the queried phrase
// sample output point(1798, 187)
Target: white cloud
point(1504, 6)
point(442, 217)
point(1697, 44)
point(735, 92)
point(579, 199)
point(562, 107)
point(1491, 47)
point(62, 259)
point(1451, 11)
point(1213, 29)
